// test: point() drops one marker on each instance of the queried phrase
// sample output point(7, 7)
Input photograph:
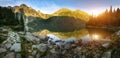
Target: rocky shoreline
point(31, 45)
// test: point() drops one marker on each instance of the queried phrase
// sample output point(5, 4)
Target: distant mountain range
point(28, 11)
point(62, 20)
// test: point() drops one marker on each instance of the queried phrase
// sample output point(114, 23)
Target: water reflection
point(95, 37)
point(99, 35)
point(84, 34)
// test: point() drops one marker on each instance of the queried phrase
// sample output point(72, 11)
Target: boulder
point(18, 55)
point(12, 38)
point(34, 52)
point(8, 45)
point(52, 38)
point(40, 47)
point(31, 38)
point(16, 47)
point(53, 51)
point(10, 55)
point(2, 50)
point(106, 54)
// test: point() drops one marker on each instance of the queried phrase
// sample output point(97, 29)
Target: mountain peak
point(64, 9)
point(76, 13)
point(23, 5)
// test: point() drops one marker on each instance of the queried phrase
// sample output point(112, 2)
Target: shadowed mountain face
point(57, 23)
point(26, 17)
point(7, 17)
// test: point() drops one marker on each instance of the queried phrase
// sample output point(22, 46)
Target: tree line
point(108, 18)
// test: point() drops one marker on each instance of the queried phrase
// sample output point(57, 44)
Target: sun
point(95, 12)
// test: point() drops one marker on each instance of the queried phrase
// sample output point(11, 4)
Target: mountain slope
point(28, 11)
point(76, 13)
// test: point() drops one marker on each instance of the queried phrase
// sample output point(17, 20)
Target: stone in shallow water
point(52, 38)
point(86, 39)
point(72, 39)
point(16, 47)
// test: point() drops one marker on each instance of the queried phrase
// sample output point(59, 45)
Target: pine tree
point(110, 11)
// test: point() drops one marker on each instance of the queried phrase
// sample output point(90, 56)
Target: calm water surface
point(86, 34)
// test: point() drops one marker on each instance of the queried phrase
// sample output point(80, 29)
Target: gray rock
point(18, 56)
point(30, 37)
point(10, 55)
point(8, 45)
point(41, 47)
point(106, 54)
point(12, 38)
point(30, 57)
point(2, 50)
point(118, 33)
point(52, 38)
point(34, 52)
point(67, 46)
point(53, 51)
point(29, 51)
point(34, 46)
point(38, 56)
point(16, 47)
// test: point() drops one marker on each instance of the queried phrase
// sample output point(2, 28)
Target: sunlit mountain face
point(59, 29)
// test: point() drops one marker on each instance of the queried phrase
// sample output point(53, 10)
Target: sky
point(50, 6)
